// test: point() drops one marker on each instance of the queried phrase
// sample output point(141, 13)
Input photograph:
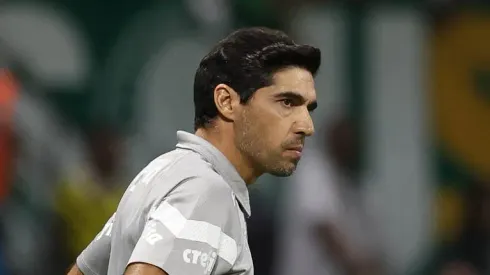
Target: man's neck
point(226, 145)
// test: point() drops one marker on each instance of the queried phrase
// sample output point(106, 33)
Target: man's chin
point(284, 171)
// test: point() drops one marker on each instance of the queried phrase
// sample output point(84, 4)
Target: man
point(185, 212)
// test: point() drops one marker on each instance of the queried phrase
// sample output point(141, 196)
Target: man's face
point(272, 126)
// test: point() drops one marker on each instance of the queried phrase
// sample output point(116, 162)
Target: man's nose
point(305, 126)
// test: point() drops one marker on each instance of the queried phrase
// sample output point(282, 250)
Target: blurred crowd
point(91, 91)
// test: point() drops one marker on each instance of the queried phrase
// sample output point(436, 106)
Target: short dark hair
point(246, 60)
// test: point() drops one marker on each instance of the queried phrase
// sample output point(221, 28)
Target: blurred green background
point(90, 91)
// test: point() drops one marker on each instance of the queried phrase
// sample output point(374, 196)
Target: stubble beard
point(251, 145)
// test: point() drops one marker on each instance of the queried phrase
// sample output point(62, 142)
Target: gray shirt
point(184, 212)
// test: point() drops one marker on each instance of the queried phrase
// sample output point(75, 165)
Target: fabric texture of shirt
point(184, 213)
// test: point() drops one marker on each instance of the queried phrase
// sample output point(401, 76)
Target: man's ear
point(227, 101)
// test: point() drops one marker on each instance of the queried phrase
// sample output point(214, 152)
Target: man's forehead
point(295, 80)
point(293, 75)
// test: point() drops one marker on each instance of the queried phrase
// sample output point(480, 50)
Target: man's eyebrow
point(297, 97)
point(291, 95)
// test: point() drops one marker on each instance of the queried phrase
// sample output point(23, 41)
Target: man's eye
point(287, 102)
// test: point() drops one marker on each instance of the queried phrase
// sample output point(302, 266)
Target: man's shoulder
point(188, 163)
point(196, 192)
point(186, 172)
point(177, 165)
point(178, 178)
point(191, 166)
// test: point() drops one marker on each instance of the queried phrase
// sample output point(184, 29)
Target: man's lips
point(298, 148)
point(295, 150)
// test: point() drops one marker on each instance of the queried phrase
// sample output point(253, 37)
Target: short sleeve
point(185, 233)
point(94, 260)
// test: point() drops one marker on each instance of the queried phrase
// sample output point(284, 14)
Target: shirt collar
point(219, 163)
